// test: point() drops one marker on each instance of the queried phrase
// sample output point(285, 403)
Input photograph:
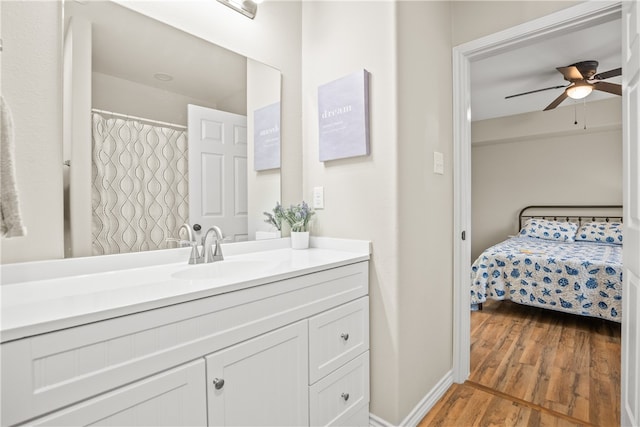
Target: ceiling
point(534, 67)
point(134, 47)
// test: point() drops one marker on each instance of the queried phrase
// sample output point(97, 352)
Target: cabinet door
point(261, 382)
point(176, 397)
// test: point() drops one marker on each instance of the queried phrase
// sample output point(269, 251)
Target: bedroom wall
point(542, 158)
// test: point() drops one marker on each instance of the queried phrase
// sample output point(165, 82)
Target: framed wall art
point(343, 117)
point(266, 137)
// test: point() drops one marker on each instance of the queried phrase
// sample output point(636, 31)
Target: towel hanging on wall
point(10, 218)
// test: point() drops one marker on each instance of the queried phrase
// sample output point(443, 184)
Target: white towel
point(10, 218)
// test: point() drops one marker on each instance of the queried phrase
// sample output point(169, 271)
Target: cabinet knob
point(345, 396)
point(218, 383)
point(344, 336)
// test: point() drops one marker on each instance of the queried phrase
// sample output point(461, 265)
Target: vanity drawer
point(337, 336)
point(337, 398)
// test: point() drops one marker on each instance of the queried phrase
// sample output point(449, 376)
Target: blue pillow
point(607, 232)
point(538, 228)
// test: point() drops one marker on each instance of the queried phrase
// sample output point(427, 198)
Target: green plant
point(299, 216)
point(276, 217)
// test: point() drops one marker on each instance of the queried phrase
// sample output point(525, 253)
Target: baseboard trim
point(422, 408)
point(375, 421)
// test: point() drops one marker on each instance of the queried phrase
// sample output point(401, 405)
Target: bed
point(570, 263)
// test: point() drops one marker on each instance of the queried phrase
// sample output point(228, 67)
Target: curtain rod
point(126, 116)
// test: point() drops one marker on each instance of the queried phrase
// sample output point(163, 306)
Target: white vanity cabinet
point(260, 382)
point(339, 365)
point(171, 398)
point(279, 348)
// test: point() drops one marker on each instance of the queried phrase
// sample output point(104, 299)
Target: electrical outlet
point(318, 197)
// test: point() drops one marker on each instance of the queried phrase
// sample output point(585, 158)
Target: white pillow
point(538, 228)
point(607, 232)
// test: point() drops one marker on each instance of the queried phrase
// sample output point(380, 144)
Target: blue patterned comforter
point(578, 277)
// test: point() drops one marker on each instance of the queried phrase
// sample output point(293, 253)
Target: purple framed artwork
point(266, 137)
point(343, 117)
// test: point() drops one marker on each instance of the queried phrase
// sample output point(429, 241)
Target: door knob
point(218, 383)
point(344, 336)
point(345, 396)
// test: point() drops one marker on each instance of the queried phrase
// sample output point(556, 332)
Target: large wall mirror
point(158, 131)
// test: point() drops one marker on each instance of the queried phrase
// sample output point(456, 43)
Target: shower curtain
point(140, 185)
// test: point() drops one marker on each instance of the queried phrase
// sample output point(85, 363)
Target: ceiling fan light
point(579, 90)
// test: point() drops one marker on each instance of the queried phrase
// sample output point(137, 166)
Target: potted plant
point(275, 218)
point(298, 217)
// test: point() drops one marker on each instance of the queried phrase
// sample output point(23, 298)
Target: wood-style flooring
point(535, 367)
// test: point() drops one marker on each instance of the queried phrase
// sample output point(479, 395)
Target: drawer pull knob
point(218, 383)
point(344, 336)
point(345, 396)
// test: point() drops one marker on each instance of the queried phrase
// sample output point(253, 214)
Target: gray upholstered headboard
point(574, 213)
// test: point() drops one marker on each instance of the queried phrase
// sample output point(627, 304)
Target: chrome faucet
point(207, 254)
point(194, 257)
point(189, 231)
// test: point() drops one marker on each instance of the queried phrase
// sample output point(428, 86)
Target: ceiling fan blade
point(613, 88)
point(608, 74)
point(534, 91)
point(570, 73)
point(557, 101)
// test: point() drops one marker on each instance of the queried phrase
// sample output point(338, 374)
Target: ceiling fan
point(583, 79)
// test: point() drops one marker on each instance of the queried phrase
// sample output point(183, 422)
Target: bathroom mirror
point(130, 85)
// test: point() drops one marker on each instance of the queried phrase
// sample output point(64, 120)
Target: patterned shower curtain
point(140, 185)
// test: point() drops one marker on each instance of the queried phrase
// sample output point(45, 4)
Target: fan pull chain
point(575, 113)
point(584, 101)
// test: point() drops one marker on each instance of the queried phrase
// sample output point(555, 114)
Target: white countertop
point(60, 294)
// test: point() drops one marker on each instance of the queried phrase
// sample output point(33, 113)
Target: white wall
point(473, 19)
point(263, 88)
point(32, 87)
point(77, 137)
point(340, 38)
point(425, 199)
point(126, 97)
point(543, 158)
point(391, 197)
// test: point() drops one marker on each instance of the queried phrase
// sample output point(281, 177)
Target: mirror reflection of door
point(218, 171)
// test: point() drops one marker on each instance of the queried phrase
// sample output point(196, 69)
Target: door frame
point(575, 17)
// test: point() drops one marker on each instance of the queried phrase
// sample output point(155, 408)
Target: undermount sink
point(222, 269)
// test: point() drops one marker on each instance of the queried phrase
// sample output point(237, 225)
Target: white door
point(261, 382)
point(218, 171)
point(173, 398)
point(630, 404)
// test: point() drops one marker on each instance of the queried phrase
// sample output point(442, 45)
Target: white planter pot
point(299, 240)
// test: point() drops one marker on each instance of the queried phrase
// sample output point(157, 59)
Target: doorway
point(581, 15)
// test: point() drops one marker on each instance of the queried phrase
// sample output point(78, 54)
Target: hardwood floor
point(534, 367)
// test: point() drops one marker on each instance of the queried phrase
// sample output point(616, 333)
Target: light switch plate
point(438, 163)
point(318, 197)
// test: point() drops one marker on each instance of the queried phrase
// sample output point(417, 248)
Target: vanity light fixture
point(579, 90)
point(248, 8)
